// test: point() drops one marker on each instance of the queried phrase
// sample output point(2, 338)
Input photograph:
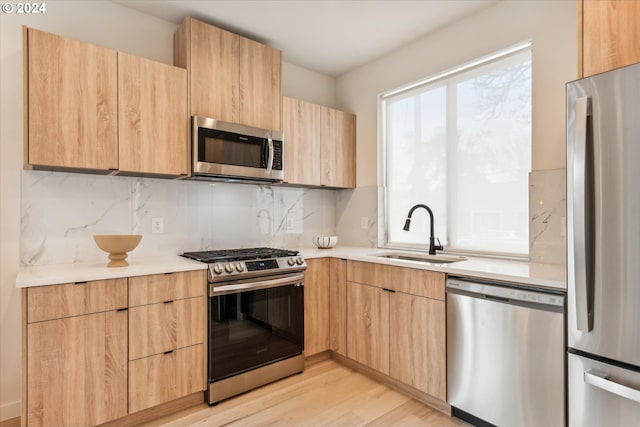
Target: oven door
point(254, 323)
point(236, 151)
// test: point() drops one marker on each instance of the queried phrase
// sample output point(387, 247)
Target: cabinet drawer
point(165, 287)
point(413, 281)
point(157, 328)
point(74, 299)
point(165, 377)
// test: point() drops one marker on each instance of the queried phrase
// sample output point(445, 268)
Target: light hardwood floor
point(325, 394)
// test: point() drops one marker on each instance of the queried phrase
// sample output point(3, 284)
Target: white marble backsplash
point(61, 212)
point(548, 213)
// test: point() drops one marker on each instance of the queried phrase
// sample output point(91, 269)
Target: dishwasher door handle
point(600, 380)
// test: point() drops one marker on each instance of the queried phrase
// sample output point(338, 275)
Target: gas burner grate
point(228, 255)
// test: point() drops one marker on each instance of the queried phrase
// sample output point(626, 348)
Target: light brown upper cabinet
point(301, 125)
point(230, 78)
point(337, 146)
point(319, 145)
point(91, 108)
point(152, 115)
point(608, 35)
point(71, 112)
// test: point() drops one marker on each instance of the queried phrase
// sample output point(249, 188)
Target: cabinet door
point(337, 142)
point(338, 305)
point(316, 306)
point(610, 35)
point(72, 103)
point(260, 85)
point(368, 326)
point(77, 370)
point(214, 71)
point(418, 343)
point(152, 115)
point(162, 327)
point(165, 377)
point(301, 123)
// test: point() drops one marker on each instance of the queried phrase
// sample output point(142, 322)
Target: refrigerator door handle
point(584, 319)
point(599, 379)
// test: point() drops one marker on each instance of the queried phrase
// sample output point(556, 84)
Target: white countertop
point(41, 275)
point(535, 274)
point(551, 276)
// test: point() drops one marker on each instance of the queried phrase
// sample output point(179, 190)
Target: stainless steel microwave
point(230, 151)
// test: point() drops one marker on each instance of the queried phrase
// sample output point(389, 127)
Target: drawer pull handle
point(600, 380)
point(168, 302)
point(389, 290)
point(81, 283)
point(123, 309)
point(168, 352)
point(171, 272)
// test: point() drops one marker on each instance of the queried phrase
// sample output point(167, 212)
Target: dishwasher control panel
point(504, 292)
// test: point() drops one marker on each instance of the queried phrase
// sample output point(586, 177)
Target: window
point(460, 142)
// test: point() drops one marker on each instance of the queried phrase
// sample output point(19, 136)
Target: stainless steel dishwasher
point(505, 353)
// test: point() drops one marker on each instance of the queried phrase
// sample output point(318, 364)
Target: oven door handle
point(244, 286)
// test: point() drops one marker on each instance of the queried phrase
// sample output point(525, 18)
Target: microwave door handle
point(270, 158)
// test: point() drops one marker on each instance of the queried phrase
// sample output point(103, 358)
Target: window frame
point(383, 239)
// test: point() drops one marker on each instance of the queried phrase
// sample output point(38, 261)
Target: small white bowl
point(325, 242)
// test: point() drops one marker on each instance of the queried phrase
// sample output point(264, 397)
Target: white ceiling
point(327, 36)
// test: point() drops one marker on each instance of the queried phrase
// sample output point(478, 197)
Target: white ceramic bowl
point(117, 246)
point(325, 242)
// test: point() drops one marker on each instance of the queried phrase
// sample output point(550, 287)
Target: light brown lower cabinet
point(417, 341)
point(316, 303)
point(396, 324)
point(338, 305)
point(164, 377)
point(91, 357)
point(368, 326)
point(166, 337)
point(77, 370)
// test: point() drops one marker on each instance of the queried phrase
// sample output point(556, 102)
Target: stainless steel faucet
point(407, 224)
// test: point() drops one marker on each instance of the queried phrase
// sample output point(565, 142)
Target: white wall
point(106, 24)
point(552, 27)
point(298, 82)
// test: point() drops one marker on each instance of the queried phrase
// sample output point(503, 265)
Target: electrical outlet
point(289, 223)
point(364, 222)
point(157, 225)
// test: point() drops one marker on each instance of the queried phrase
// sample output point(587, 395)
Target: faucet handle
point(439, 246)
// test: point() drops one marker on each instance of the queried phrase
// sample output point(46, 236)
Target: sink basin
point(431, 259)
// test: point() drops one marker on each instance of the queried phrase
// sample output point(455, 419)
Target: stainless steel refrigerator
point(603, 243)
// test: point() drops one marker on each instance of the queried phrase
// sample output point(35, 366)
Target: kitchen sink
point(431, 259)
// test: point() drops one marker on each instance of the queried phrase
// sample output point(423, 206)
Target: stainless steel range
point(255, 318)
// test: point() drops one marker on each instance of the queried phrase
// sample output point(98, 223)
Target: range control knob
point(291, 261)
point(299, 260)
point(217, 269)
point(228, 268)
point(239, 267)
